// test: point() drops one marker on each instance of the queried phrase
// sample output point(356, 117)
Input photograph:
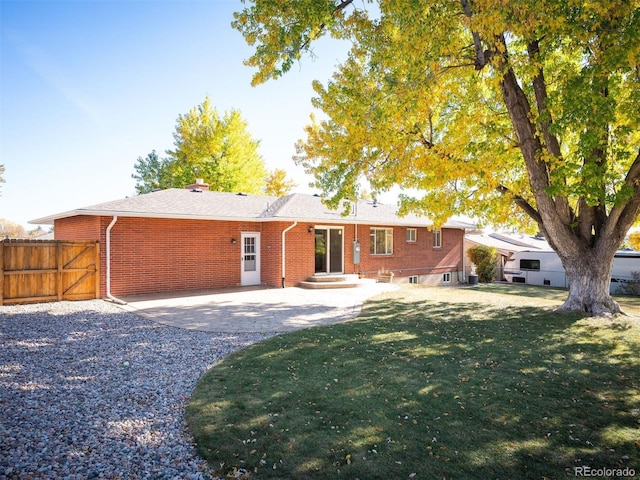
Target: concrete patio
point(254, 309)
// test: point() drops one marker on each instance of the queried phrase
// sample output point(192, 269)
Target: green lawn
point(430, 383)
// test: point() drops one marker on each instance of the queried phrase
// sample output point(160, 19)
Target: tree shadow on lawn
point(429, 388)
point(557, 294)
point(629, 303)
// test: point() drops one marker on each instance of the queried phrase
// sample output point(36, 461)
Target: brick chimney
point(199, 186)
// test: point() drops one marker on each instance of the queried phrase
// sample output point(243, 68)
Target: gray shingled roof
point(187, 204)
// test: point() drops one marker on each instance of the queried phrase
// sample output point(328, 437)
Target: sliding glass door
point(329, 250)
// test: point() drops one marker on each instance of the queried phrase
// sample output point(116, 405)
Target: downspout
point(355, 239)
point(464, 272)
point(284, 250)
point(108, 248)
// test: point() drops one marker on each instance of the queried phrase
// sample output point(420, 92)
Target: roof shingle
point(207, 205)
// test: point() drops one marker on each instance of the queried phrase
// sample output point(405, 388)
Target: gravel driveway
point(90, 391)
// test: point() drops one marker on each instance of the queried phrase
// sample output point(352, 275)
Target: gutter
point(108, 248)
point(337, 220)
point(284, 251)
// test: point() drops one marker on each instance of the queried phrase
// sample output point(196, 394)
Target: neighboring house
point(506, 245)
point(44, 236)
point(189, 239)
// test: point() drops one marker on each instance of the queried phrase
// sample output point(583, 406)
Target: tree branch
point(625, 215)
point(633, 175)
point(551, 141)
point(519, 111)
point(598, 158)
point(586, 220)
point(338, 8)
point(522, 203)
point(632, 208)
point(482, 57)
point(540, 90)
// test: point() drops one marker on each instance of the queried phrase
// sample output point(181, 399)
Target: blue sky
point(87, 87)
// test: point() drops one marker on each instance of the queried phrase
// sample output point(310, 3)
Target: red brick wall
point(158, 255)
point(417, 258)
point(271, 254)
point(80, 227)
point(410, 258)
point(300, 253)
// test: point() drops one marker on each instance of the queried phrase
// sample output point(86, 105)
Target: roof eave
point(354, 221)
point(49, 220)
point(111, 213)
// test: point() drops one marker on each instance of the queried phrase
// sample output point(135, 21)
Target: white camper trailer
point(543, 267)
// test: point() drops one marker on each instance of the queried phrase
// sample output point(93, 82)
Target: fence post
point(59, 270)
point(1, 272)
point(97, 270)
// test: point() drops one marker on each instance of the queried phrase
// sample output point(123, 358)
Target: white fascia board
point(110, 213)
point(350, 221)
point(49, 220)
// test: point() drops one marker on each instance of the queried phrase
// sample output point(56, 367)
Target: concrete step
point(334, 281)
point(333, 278)
point(324, 285)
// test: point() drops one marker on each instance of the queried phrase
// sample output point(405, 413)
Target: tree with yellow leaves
point(217, 148)
point(9, 229)
point(277, 183)
point(508, 111)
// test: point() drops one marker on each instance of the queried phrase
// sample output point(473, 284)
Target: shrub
point(631, 288)
point(484, 258)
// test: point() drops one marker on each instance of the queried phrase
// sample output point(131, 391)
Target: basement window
point(413, 279)
point(446, 277)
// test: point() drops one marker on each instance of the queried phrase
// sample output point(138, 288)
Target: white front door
point(250, 261)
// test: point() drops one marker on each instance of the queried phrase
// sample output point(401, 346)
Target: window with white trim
point(381, 241)
point(413, 279)
point(437, 238)
point(446, 277)
point(412, 235)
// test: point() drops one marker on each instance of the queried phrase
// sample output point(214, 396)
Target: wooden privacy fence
point(48, 271)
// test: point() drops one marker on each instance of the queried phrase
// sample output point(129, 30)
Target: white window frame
point(413, 279)
point(388, 240)
point(437, 238)
point(446, 277)
point(412, 235)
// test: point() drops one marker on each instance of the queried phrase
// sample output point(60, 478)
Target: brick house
point(189, 239)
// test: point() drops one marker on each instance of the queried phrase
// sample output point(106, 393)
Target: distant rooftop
point(510, 242)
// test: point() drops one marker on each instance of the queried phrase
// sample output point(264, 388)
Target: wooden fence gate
point(48, 271)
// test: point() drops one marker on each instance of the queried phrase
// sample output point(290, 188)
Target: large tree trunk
point(586, 252)
point(589, 279)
